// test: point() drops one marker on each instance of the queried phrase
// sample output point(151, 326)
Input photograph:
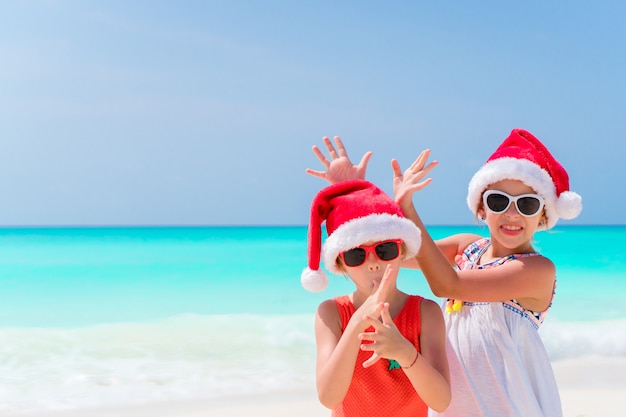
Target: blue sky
point(204, 113)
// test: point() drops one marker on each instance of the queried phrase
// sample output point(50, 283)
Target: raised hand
point(339, 167)
point(380, 293)
point(386, 341)
point(404, 185)
point(373, 304)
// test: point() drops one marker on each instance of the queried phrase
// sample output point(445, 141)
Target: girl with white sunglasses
point(498, 289)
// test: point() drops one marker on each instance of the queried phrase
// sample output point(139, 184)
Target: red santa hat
point(523, 157)
point(355, 212)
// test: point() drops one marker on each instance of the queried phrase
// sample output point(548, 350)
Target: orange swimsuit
point(383, 389)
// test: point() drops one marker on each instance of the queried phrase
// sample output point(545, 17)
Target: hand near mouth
point(381, 290)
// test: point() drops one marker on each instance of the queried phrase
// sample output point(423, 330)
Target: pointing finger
point(385, 284)
point(385, 315)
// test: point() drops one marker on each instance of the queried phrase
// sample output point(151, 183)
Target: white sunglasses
point(527, 205)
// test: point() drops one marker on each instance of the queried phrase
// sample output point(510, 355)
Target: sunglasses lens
point(497, 202)
point(528, 206)
point(387, 251)
point(354, 257)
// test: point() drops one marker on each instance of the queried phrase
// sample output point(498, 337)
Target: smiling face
point(511, 232)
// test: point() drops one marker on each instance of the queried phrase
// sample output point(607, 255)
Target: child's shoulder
point(431, 318)
point(331, 306)
point(428, 305)
point(461, 239)
point(457, 243)
point(328, 312)
point(538, 263)
point(331, 302)
point(468, 238)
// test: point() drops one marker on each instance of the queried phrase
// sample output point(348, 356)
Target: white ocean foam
point(183, 357)
point(569, 340)
point(200, 357)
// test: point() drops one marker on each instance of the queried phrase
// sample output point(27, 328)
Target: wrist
point(356, 326)
point(405, 202)
point(413, 361)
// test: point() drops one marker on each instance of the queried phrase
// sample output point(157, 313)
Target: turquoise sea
point(111, 316)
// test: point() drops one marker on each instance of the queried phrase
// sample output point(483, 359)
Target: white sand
point(589, 388)
point(300, 404)
point(592, 387)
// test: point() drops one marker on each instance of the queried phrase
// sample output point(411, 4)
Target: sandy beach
point(591, 387)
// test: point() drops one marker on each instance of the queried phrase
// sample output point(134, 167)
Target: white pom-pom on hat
point(569, 205)
point(314, 281)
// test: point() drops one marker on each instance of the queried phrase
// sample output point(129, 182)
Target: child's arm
point(427, 370)
point(404, 186)
point(339, 168)
point(451, 247)
point(430, 374)
point(336, 354)
point(337, 351)
point(528, 280)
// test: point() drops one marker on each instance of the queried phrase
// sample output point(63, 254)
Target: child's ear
point(340, 266)
point(481, 213)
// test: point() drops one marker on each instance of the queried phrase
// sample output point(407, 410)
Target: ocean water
point(92, 317)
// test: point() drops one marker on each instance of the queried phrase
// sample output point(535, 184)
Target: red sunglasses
point(385, 251)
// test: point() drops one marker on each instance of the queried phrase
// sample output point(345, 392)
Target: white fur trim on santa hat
point(523, 170)
point(314, 281)
point(372, 228)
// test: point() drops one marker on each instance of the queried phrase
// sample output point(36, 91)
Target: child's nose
point(512, 210)
point(372, 262)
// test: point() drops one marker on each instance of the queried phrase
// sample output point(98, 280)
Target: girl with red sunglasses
point(380, 351)
point(497, 290)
